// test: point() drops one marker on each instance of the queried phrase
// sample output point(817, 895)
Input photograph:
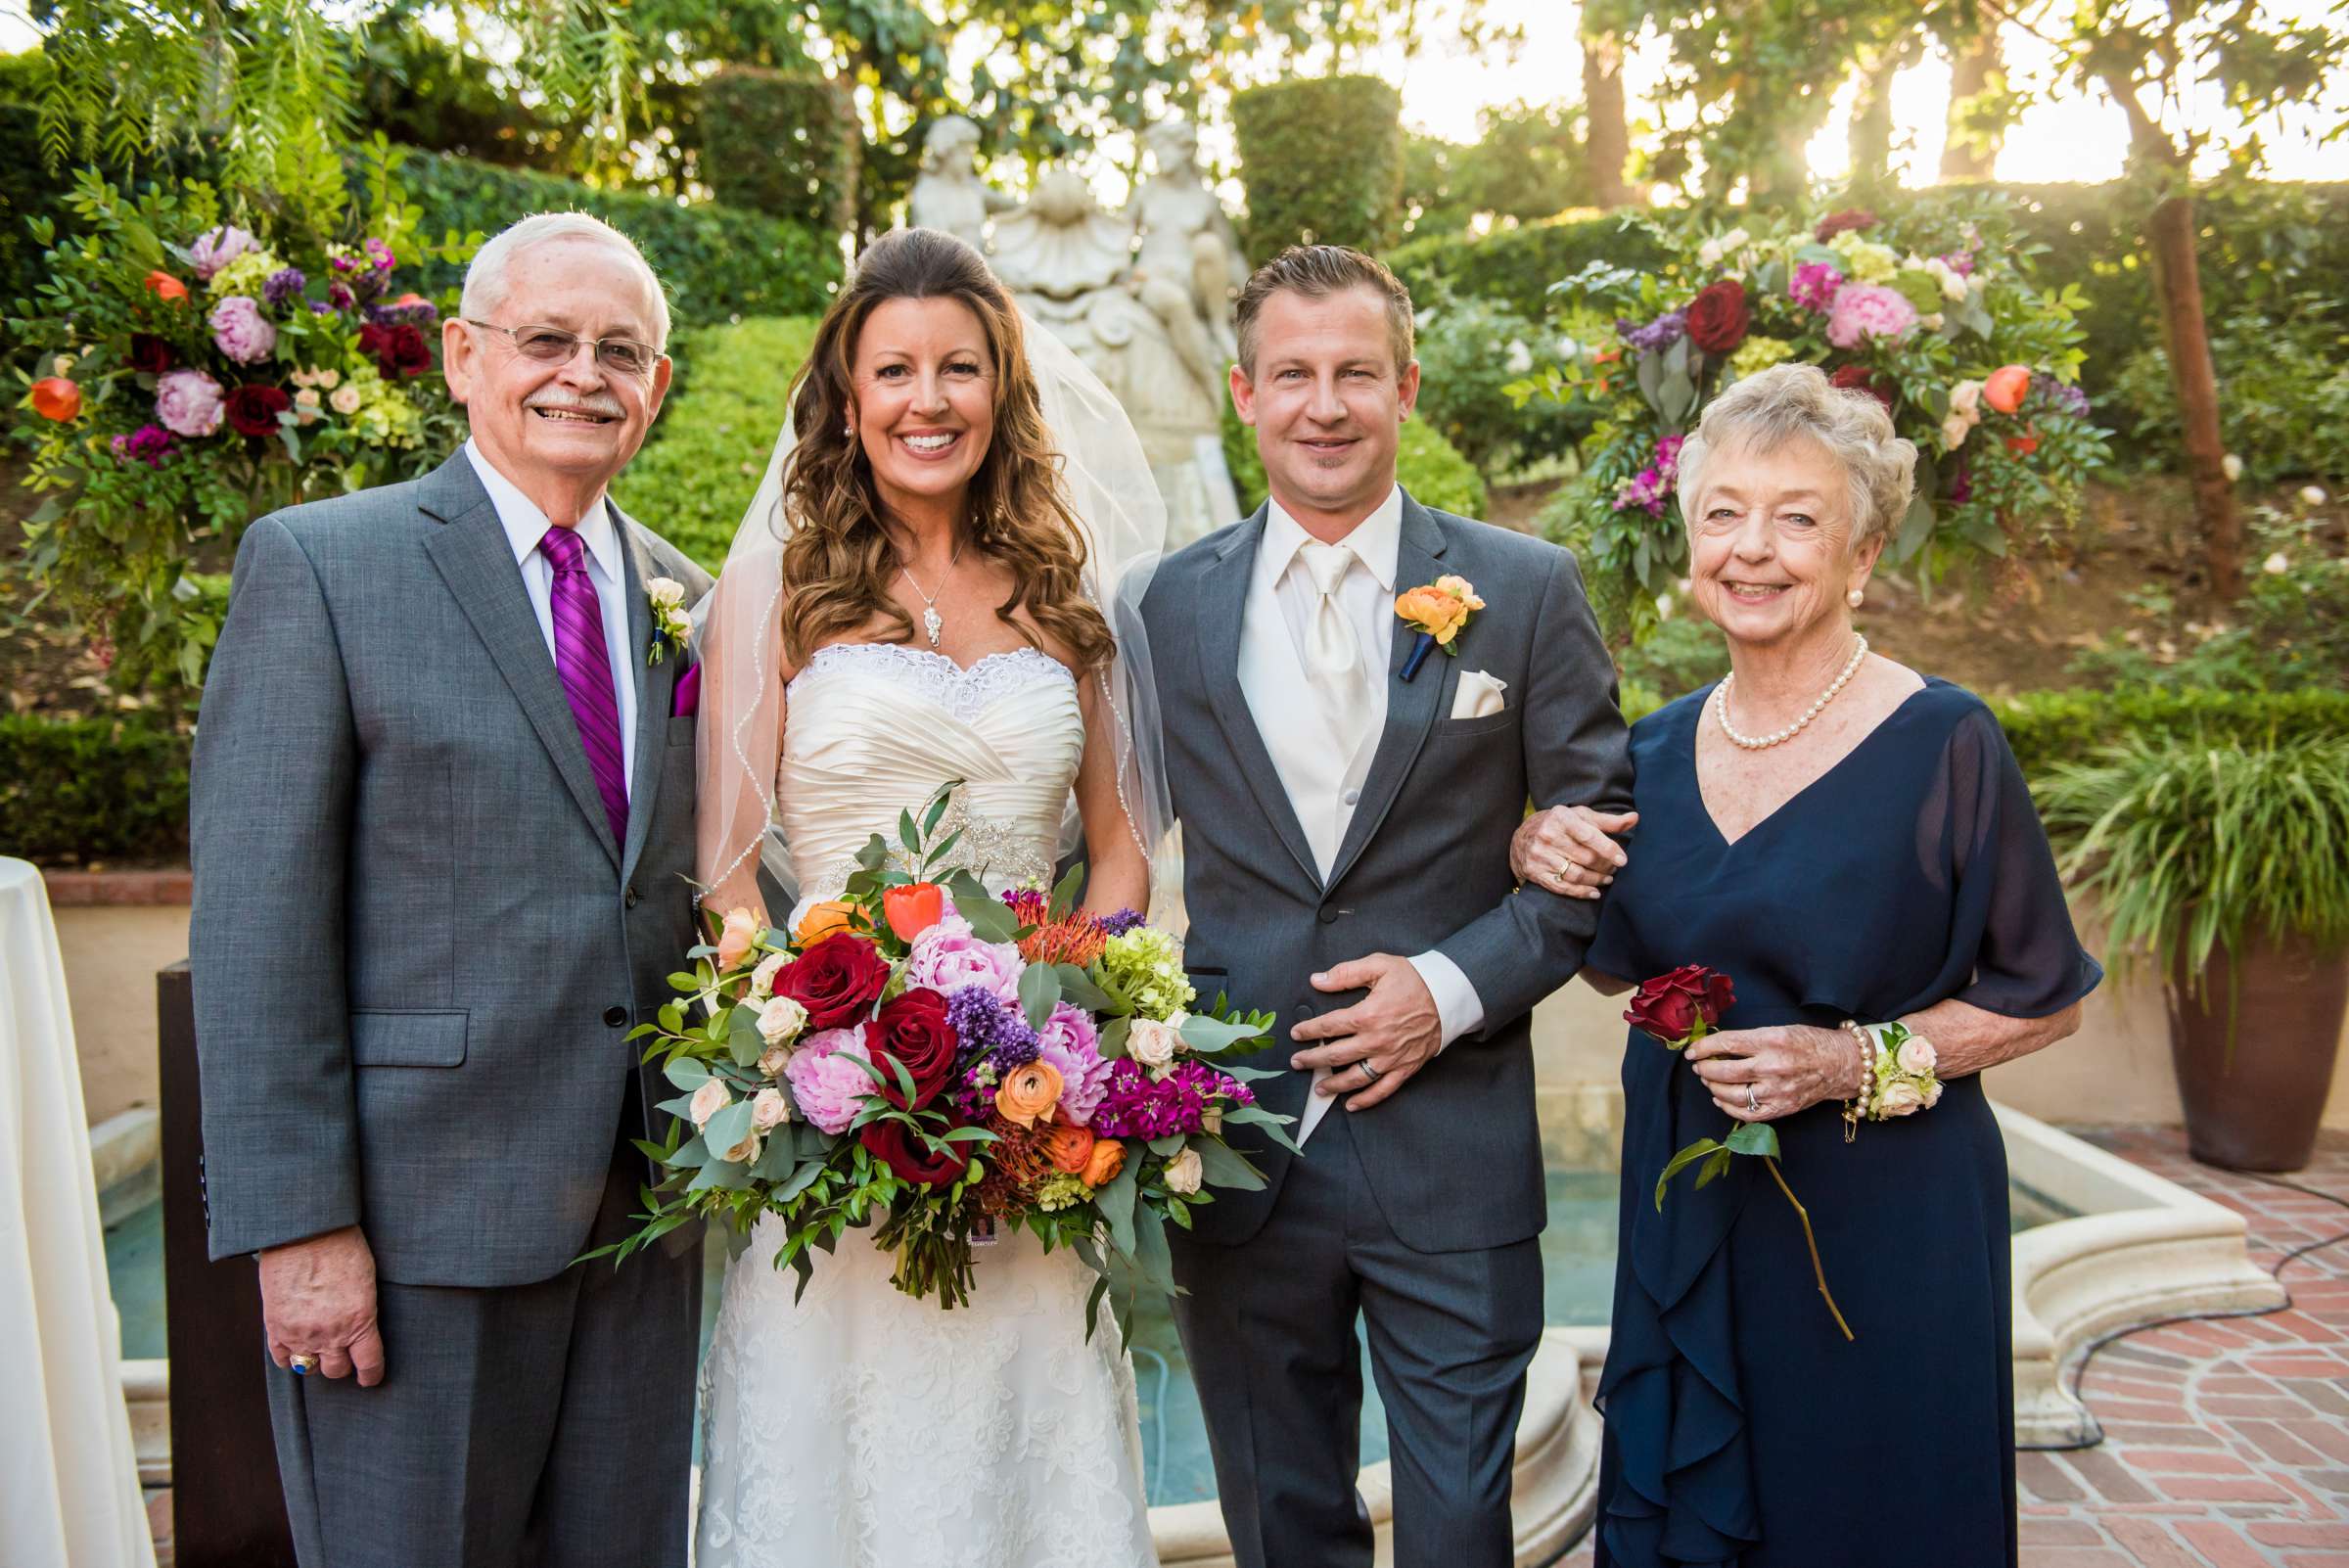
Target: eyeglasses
point(552, 346)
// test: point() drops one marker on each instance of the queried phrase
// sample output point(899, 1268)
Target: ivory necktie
point(585, 666)
point(1333, 655)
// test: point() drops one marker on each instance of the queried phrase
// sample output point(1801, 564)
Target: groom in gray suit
point(443, 807)
point(1346, 823)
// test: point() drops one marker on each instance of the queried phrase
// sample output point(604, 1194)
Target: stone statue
point(1184, 234)
point(948, 193)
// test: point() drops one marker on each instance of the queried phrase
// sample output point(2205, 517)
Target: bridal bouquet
point(943, 1064)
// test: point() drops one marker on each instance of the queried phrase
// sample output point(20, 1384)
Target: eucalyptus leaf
point(684, 1073)
point(1207, 1035)
point(1064, 893)
point(1078, 990)
point(1112, 1041)
point(744, 1042)
point(1115, 1203)
point(722, 1174)
point(1916, 526)
point(991, 920)
point(1040, 989)
point(1223, 1167)
point(1151, 1255)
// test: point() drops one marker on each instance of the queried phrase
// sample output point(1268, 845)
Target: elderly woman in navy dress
point(1853, 845)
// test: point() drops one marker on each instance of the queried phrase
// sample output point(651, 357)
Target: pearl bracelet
point(1856, 1108)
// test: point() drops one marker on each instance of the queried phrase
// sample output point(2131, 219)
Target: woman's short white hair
point(490, 276)
point(1796, 402)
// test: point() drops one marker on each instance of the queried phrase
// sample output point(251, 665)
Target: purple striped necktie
point(585, 666)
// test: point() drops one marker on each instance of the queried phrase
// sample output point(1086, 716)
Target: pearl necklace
point(1721, 704)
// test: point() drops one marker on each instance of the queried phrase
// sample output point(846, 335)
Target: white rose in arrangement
point(1184, 1172)
point(1954, 430)
point(762, 978)
point(746, 1151)
point(666, 593)
point(769, 1110)
point(2276, 565)
point(1933, 1095)
point(707, 1100)
point(1966, 399)
point(1917, 1056)
point(345, 400)
point(780, 1019)
point(1900, 1097)
point(774, 1059)
point(1152, 1043)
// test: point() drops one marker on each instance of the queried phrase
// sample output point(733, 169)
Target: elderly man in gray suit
point(442, 804)
point(1346, 821)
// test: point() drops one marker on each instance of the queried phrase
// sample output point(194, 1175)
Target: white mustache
point(600, 408)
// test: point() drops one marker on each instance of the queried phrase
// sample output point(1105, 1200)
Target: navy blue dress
point(1741, 1429)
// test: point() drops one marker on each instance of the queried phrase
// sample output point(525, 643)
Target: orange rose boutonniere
point(1441, 611)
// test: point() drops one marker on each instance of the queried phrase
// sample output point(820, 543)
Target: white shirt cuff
point(1458, 1008)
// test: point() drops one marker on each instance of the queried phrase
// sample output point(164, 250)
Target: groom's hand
point(318, 1299)
point(1395, 1028)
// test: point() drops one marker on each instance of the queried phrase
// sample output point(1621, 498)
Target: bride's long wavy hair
point(838, 559)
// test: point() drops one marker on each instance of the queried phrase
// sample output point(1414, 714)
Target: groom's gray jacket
point(1453, 1156)
point(417, 950)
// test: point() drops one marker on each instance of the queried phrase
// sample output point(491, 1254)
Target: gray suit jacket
point(1453, 1156)
point(416, 949)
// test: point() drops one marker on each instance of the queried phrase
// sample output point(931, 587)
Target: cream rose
point(1954, 430)
point(774, 1059)
point(781, 1020)
point(746, 1151)
point(1966, 399)
point(734, 939)
point(707, 1100)
point(1917, 1056)
point(665, 593)
point(769, 1110)
point(1152, 1043)
point(1184, 1171)
point(762, 978)
point(345, 400)
point(1900, 1097)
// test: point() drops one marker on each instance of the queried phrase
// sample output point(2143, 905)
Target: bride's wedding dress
point(858, 1427)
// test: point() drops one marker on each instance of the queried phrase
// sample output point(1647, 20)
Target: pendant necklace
point(932, 622)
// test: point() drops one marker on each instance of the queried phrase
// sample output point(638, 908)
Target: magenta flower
point(1864, 311)
point(1814, 285)
point(825, 1081)
point(241, 331)
point(1139, 1107)
point(146, 444)
point(189, 403)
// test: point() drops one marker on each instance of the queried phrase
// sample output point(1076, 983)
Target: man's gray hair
point(488, 278)
point(1795, 403)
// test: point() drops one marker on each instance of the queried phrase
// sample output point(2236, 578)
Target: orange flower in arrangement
point(164, 285)
point(827, 919)
point(2025, 445)
point(1031, 1095)
point(1070, 1147)
point(914, 909)
point(2004, 389)
point(56, 397)
point(1102, 1166)
point(1072, 938)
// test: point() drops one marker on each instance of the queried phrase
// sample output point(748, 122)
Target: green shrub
point(710, 444)
point(79, 790)
point(716, 261)
point(2050, 728)
point(1514, 267)
point(787, 146)
point(2283, 392)
point(1320, 158)
point(1425, 466)
point(1469, 350)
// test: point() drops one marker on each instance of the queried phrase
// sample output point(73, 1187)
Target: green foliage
point(2283, 392)
point(74, 790)
point(785, 146)
point(709, 447)
point(716, 262)
point(1524, 164)
point(1516, 267)
point(1321, 158)
point(1469, 351)
point(421, 90)
point(2194, 843)
point(1425, 466)
point(2049, 729)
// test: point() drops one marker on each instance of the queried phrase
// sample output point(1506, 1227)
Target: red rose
point(397, 351)
point(1718, 317)
point(835, 979)
point(254, 410)
point(1862, 379)
point(149, 353)
point(1851, 218)
point(1669, 1007)
point(914, 1029)
point(902, 1149)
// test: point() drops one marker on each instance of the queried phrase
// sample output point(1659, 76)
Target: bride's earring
point(1855, 598)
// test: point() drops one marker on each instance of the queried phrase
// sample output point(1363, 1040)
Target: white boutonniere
point(670, 624)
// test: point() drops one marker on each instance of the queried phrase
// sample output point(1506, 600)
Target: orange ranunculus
point(1029, 1094)
point(827, 919)
point(2004, 388)
point(1102, 1166)
point(914, 909)
point(1070, 1147)
point(1432, 611)
point(164, 285)
point(56, 397)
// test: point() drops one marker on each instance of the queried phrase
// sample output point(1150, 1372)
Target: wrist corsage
point(1896, 1075)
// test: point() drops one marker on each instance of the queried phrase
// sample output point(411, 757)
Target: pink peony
point(241, 331)
point(218, 248)
point(189, 403)
point(947, 957)
point(1864, 311)
point(1068, 1041)
point(828, 1084)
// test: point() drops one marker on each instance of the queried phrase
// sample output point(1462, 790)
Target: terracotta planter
point(2257, 1107)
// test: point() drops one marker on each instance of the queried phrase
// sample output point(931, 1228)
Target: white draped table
point(69, 1484)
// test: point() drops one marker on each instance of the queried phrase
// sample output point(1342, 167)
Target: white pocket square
point(1478, 694)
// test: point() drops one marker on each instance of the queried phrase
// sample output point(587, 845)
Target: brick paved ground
point(2226, 1442)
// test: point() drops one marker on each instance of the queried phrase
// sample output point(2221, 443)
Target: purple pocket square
point(685, 699)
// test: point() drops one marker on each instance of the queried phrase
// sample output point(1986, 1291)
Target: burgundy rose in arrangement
point(397, 350)
point(1719, 317)
point(1682, 1006)
point(914, 1029)
point(254, 410)
point(902, 1151)
point(835, 979)
point(150, 354)
point(1859, 378)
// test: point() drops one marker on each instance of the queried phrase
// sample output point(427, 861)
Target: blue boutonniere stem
point(1419, 652)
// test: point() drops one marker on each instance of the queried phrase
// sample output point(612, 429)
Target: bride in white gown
point(856, 1425)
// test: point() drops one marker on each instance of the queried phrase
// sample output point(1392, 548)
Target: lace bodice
point(872, 729)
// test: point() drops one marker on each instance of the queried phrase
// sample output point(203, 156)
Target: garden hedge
point(1515, 266)
point(74, 790)
point(717, 261)
point(2048, 727)
point(1320, 158)
point(788, 146)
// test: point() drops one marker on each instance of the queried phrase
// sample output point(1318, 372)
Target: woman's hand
point(1566, 849)
point(1762, 1074)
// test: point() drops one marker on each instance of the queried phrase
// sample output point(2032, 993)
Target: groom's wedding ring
point(302, 1364)
point(1370, 1075)
point(1753, 1101)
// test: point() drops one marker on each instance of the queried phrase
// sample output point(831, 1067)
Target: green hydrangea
point(1864, 261)
point(384, 417)
point(1147, 966)
point(1061, 1191)
point(246, 274)
point(1757, 354)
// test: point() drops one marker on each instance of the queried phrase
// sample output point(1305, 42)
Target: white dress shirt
point(525, 527)
point(1322, 786)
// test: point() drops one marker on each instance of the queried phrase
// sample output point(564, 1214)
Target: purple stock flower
point(993, 1038)
point(2049, 395)
point(1814, 285)
point(1659, 334)
point(148, 444)
point(283, 285)
point(1121, 922)
point(1140, 1107)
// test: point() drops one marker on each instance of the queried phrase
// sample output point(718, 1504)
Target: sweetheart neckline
point(960, 672)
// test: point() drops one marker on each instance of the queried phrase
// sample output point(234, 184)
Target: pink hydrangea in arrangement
point(825, 1079)
point(217, 247)
point(1864, 311)
point(1814, 285)
point(241, 331)
point(189, 403)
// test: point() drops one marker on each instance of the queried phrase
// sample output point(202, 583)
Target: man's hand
point(1395, 1028)
point(318, 1299)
